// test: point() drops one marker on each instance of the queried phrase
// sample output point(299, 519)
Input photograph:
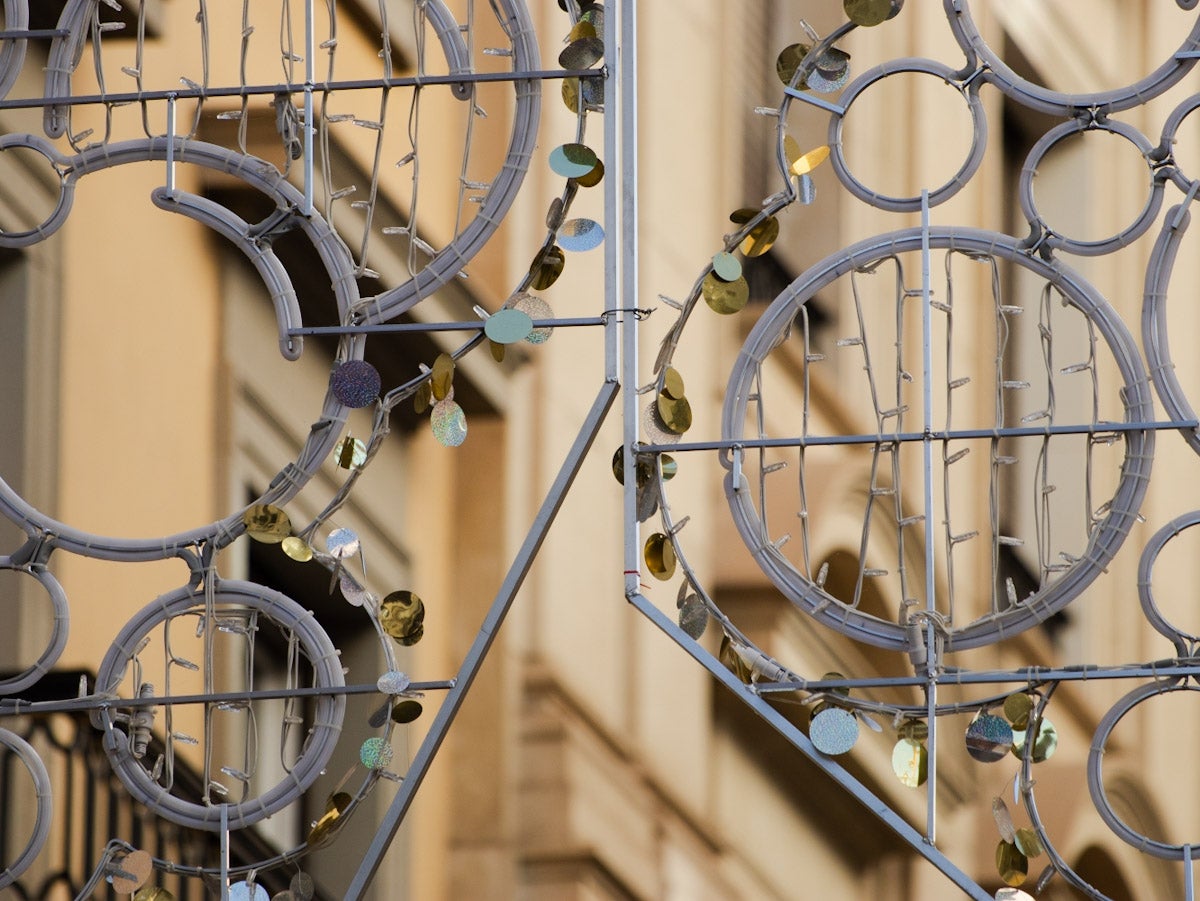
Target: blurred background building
point(593, 759)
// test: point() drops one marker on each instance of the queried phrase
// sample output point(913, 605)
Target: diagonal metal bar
point(800, 741)
point(483, 642)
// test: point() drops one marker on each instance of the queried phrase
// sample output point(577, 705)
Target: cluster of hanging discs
point(211, 611)
point(1012, 724)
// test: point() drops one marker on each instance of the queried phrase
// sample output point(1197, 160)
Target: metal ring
point(58, 633)
point(1095, 770)
point(12, 54)
point(937, 195)
point(1104, 539)
point(43, 811)
point(1145, 589)
point(1122, 238)
point(1058, 103)
point(327, 716)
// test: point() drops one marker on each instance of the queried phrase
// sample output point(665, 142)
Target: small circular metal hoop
point(58, 633)
point(44, 808)
point(937, 195)
point(327, 716)
point(1095, 770)
point(1107, 245)
point(12, 54)
point(1145, 589)
point(1104, 540)
point(1058, 103)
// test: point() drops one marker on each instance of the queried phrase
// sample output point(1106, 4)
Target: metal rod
point(359, 84)
point(800, 741)
point(310, 128)
point(475, 326)
point(1189, 888)
point(482, 643)
point(815, 101)
point(171, 145)
point(19, 34)
point(931, 664)
point(224, 852)
point(1114, 428)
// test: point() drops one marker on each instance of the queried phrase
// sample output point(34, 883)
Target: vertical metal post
point(625, 119)
point(310, 74)
point(224, 852)
point(931, 663)
point(171, 145)
point(1189, 887)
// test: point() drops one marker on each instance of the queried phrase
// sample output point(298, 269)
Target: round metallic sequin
point(375, 753)
point(449, 423)
point(871, 12)
point(655, 429)
point(593, 178)
point(675, 413)
point(1044, 745)
point(573, 160)
point(508, 326)
point(761, 237)
point(535, 308)
point(1004, 820)
point(989, 738)
point(833, 731)
point(441, 378)
point(354, 593)
point(725, 297)
point(267, 523)
point(580, 235)
point(406, 711)
point(582, 53)
point(393, 682)
point(1028, 843)
point(136, 867)
point(402, 616)
point(153, 893)
point(1017, 709)
point(659, 554)
point(693, 617)
point(244, 891)
point(303, 887)
point(355, 383)
point(910, 762)
point(546, 267)
point(672, 383)
point(323, 828)
point(342, 543)
point(726, 266)
point(1011, 864)
point(350, 453)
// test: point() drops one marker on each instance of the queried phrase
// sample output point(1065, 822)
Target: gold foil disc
point(442, 379)
point(761, 237)
point(153, 893)
point(423, 398)
point(350, 453)
point(1011, 864)
point(1044, 745)
point(402, 616)
point(593, 178)
point(676, 413)
point(406, 711)
point(1028, 843)
point(915, 730)
point(546, 267)
point(1017, 709)
point(267, 523)
point(673, 383)
point(660, 556)
point(297, 549)
point(323, 828)
point(871, 12)
point(725, 297)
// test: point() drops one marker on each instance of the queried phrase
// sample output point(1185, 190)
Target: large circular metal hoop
point(43, 808)
point(1104, 539)
point(936, 195)
point(327, 716)
point(330, 250)
point(993, 69)
point(1095, 771)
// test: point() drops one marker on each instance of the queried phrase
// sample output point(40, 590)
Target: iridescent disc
point(342, 543)
point(725, 297)
point(406, 711)
point(693, 617)
point(659, 554)
point(402, 616)
point(355, 383)
point(449, 423)
point(303, 887)
point(580, 235)
point(726, 266)
point(354, 593)
point(350, 453)
point(1043, 747)
point(535, 308)
point(989, 738)
point(831, 73)
point(267, 523)
point(573, 160)
point(546, 267)
point(1011, 864)
point(375, 753)
point(833, 731)
point(244, 891)
point(910, 762)
point(136, 867)
point(655, 429)
point(508, 326)
point(582, 54)
point(393, 682)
